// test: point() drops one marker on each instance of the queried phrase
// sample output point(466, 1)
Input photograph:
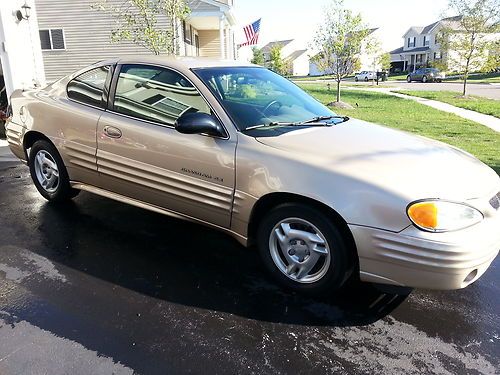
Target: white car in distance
point(365, 76)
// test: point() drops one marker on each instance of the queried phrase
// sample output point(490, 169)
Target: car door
point(418, 74)
point(141, 156)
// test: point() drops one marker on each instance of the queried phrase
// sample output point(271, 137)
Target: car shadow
point(189, 264)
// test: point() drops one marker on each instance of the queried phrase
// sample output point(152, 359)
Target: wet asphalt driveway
point(99, 287)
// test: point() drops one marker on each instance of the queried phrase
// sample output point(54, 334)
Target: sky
point(298, 19)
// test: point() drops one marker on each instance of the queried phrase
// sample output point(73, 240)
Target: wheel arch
point(271, 200)
point(31, 137)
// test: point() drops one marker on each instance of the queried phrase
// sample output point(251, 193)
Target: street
point(478, 89)
point(96, 286)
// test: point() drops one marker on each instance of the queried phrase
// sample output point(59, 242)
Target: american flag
point(251, 33)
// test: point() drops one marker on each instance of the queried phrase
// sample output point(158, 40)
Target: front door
point(140, 154)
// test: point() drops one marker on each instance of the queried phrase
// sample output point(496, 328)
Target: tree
point(493, 61)
point(467, 39)
point(276, 62)
point(137, 21)
point(384, 61)
point(258, 56)
point(339, 40)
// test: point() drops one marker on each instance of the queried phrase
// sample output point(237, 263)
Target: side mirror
point(199, 123)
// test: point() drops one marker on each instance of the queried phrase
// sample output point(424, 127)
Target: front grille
point(495, 201)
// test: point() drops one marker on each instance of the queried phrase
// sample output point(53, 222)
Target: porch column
point(221, 37)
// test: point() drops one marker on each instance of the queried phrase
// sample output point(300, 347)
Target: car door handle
point(112, 132)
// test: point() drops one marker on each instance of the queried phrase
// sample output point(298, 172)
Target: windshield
point(256, 96)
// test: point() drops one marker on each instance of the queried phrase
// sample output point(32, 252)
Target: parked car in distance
point(365, 76)
point(241, 149)
point(426, 75)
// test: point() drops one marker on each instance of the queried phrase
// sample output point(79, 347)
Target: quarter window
point(156, 94)
point(88, 87)
point(52, 39)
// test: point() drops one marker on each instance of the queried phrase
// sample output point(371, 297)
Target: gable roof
point(452, 22)
point(270, 45)
point(296, 54)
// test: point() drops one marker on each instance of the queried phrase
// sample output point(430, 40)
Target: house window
point(52, 39)
point(412, 41)
point(437, 55)
point(187, 32)
point(426, 41)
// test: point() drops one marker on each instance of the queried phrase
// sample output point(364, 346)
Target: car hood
point(410, 165)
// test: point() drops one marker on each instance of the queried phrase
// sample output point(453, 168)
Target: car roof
point(183, 63)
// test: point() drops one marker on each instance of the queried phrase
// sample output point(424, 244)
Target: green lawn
point(407, 115)
point(474, 103)
point(479, 78)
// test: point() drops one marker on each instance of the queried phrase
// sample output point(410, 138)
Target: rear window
point(88, 88)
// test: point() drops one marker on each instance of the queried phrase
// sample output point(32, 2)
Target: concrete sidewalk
point(490, 121)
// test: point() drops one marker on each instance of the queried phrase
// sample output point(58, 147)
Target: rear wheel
point(356, 79)
point(49, 173)
point(303, 249)
point(424, 79)
point(366, 79)
point(408, 79)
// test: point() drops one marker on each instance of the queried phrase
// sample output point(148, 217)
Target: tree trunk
point(466, 75)
point(338, 90)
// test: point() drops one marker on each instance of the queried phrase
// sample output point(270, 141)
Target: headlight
point(442, 216)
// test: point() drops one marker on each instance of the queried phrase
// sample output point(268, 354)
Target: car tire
point(356, 79)
point(312, 240)
point(424, 79)
point(408, 79)
point(49, 173)
point(366, 79)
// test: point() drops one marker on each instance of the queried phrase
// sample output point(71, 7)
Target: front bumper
point(418, 259)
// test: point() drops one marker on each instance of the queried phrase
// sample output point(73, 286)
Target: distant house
point(422, 47)
point(298, 58)
point(73, 35)
point(367, 57)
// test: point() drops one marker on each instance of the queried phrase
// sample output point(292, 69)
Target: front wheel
point(408, 79)
point(303, 249)
point(49, 173)
point(424, 79)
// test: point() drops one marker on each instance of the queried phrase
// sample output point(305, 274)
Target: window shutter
point(57, 38)
point(45, 39)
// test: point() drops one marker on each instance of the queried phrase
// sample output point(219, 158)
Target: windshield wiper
point(323, 118)
point(315, 121)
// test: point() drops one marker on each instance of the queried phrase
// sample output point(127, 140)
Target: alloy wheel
point(46, 171)
point(299, 250)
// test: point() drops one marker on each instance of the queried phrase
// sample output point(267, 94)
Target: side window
point(156, 94)
point(87, 88)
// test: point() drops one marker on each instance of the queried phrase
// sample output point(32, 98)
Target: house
point(422, 47)
point(367, 56)
point(74, 35)
point(21, 63)
point(297, 58)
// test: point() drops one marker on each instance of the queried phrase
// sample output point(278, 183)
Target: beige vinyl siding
point(87, 34)
point(209, 43)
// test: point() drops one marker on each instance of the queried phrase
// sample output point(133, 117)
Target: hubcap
point(46, 171)
point(299, 250)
